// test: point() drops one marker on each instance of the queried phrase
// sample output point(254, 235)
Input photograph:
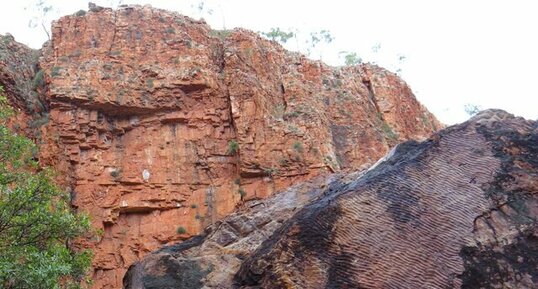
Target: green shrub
point(40, 121)
point(39, 79)
point(115, 173)
point(389, 132)
point(351, 58)
point(294, 129)
point(242, 193)
point(293, 114)
point(278, 111)
point(270, 171)
point(298, 147)
point(181, 230)
point(7, 39)
point(149, 82)
point(100, 232)
point(36, 219)
point(233, 147)
point(194, 206)
point(278, 35)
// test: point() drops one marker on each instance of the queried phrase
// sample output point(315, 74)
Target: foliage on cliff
point(36, 220)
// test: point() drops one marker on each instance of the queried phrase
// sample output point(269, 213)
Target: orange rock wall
point(146, 105)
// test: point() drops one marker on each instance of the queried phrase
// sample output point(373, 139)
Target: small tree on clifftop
point(278, 35)
point(351, 58)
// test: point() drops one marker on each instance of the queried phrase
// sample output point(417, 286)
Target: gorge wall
point(459, 210)
point(160, 126)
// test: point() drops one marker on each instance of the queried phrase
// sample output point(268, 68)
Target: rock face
point(22, 84)
point(212, 258)
point(18, 69)
point(161, 126)
point(458, 210)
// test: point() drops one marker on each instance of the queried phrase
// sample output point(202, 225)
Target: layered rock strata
point(212, 258)
point(458, 210)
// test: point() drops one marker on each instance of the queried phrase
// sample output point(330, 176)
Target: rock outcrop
point(18, 75)
point(23, 85)
point(212, 258)
point(161, 126)
point(458, 210)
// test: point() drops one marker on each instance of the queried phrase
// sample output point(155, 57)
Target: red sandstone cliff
point(158, 123)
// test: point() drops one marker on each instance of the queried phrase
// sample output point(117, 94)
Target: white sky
point(457, 52)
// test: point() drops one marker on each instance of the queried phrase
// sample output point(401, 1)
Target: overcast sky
point(456, 52)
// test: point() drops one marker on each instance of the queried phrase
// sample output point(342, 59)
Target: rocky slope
point(23, 84)
point(458, 210)
point(160, 126)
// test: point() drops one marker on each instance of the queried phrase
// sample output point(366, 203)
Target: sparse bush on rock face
point(389, 133)
point(181, 230)
point(233, 147)
point(39, 79)
point(297, 146)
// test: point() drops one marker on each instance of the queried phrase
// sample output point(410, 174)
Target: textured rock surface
point(22, 84)
point(160, 125)
point(18, 68)
point(299, 116)
point(212, 258)
point(456, 211)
